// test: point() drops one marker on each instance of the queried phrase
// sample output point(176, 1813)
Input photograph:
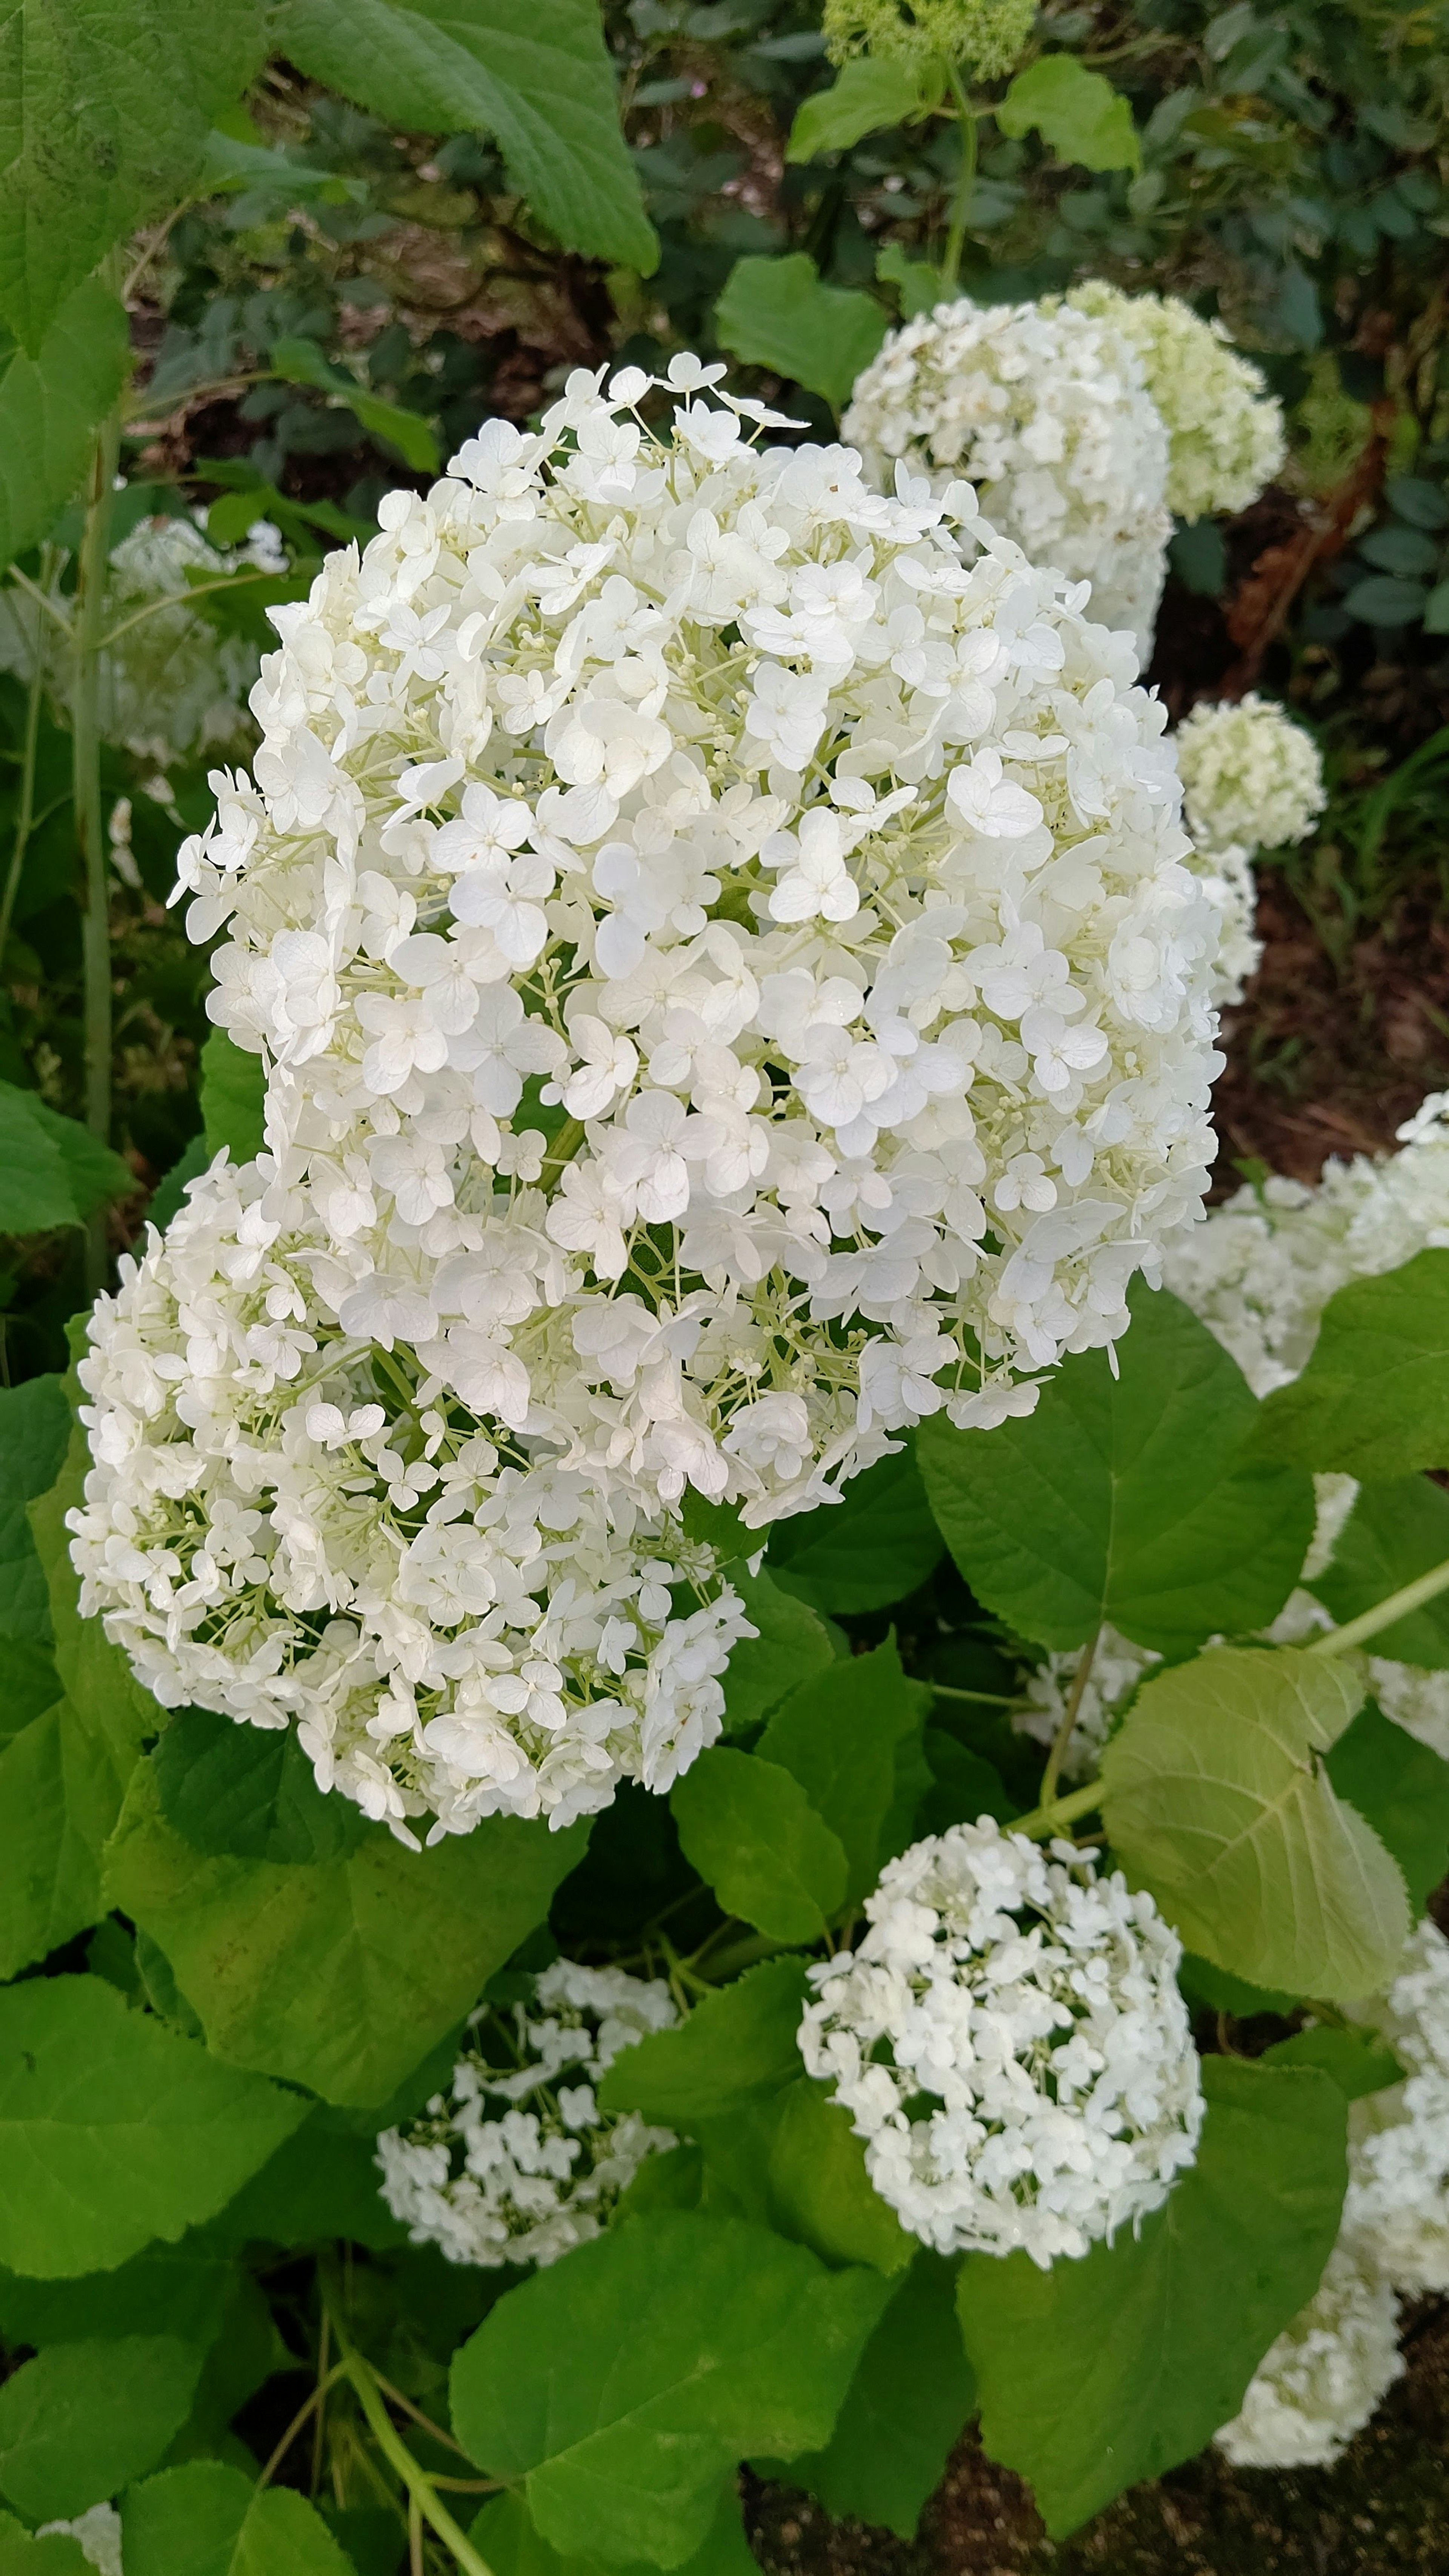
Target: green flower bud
point(985, 36)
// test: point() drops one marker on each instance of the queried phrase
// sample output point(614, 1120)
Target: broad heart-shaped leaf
point(870, 1549)
point(114, 2131)
point(511, 2542)
point(249, 1791)
point(538, 78)
point(1373, 1401)
point(791, 1644)
point(1402, 1788)
point(1355, 2060)
point(752, 1834)
point(841, 1736)
point(336, 1974)
point(233, 1091)
point(1097, 2373)
point(35, 1190)
point(692, 2342)
point(776, 313)
point(49, 406)
point(1216, 1798)
point(1081, 116)
point(1125, 1498)
point(56, 2555)
point(174, 2290)
point(83, 2419)
point(35, 1424)
point(912, 2394)
point(872, 91)
point(207, 2520)
point(321, 2184)
point(1394, 1532)
point(820, 2191)
point(740, 2041)
point(60, 1795)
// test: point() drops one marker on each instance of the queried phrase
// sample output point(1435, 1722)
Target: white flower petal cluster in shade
point(1117, 1668)
point(1251, 777)
point(1225, 431)
point(1397, 2208)
point(1010, 2042)
point(1324, 2377)
point(1227, 879)
point(516, 2164)
point(1047, 412)
point(99, 2534)
point(290, 1525)
point(723, 949)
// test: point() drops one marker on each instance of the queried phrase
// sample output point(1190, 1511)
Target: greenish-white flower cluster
point(1225, 430)
point(985, 36)
point(1325, 2376)
point(1250, 775)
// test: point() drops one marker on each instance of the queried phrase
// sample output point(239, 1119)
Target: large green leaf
point(96, 1677)
point(49, 406)
point(752, 1834)
point(513, 2545)
point(249, 1792)
point(322, 2183)
point(104, 114)
point(692, 2342)
point(819, 2190)
point(336, 1974)
point(537, 78)
point(1097, 2373)
point(1373, 1400)
point(872, 91)
point(1395, 1532)
point(911, 2397)
point(233, 1092)
point(870, 1549)
point(207, 2520)
point(60, 1795)
point(1127, 1498)
point(177, 2290)
point(82, 2419)
point(842, 1735)
point(35, 1424)
point(301, 362)
point(53, 1172)
point(791, 1644)
point(56, 2555)
point(1216, 1798)
point(1402, 1788)
point(739, 2042)
point(776, 313)
point(1076, 111)
point(114, 2131)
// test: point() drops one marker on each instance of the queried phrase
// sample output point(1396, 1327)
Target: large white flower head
point(1048, 414)
point(1225, 430)
point(287, 1523)
point(1250, 775)
point(517, 2164)
point(1010, 2042)
point(722, 947)
point(1397, 2206)
point(1325, 2376)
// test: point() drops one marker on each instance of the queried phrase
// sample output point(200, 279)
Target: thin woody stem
point(1067, 1728)
point(1384, 1614)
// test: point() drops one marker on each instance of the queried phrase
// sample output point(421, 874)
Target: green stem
point(90, 603)
point(182, 599)
point(1384, 1614)
point(965, 185)
point(978, 1699)
point(1046, 1820)
point(395, 2451)
point(563, 1149)
point(1067, 1728)
point(25, 811)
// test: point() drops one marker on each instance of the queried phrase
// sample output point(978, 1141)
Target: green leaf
point(49, 406)
point(60, 1795)
point(820, 2191)
point(538, 79)
point(1077, 112)
point(737, 2043)
point(752, 1834)
point(35, 1422)
point(103, 122)
point(510, 2541)
point(336, 1974)
point(301, 362)
point(1373, 1400)
point(865, 1552)
point(1216, 1798)
point(1401, 1787)
point(921, 287)
point(776, 313)
point(871, 92)
point(964, 1786)
point(53, 2556)
point(1202, 1983)
point(911, 2397)
point(106, 1701)
point(1097, 2373)
point(792, 1644)
point(322, 2183)
point(233, 1095)
point(1395, 1531)
point(1384, 600)
point(176, 2290)
point(35, 1183)
point(114, 2131)
point(839, 1736)
point(692, 2342)
point(207, 2520)
point(83, 2419)
point(249, 1791)
point(1125, 1498)
point(93, 1173)
point(1354, 2060)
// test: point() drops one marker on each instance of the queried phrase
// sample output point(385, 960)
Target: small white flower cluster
point(284, 1523)
point(1046, 410)
point(1397, 2209)
point(527, 2183)
point(1325, 2376)
point(1117, 1668)
point(723, 949)
point(99, 2534)
point(1010, 2042)
point(1252, 778)
point(1225, 432)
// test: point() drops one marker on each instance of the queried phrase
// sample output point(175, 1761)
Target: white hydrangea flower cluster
point(1252, 778)
point(820, 871)
point(1226, 438)
point(99, 2534)
point(1328, 2372)
point(1046, 410)
point(1034, 2007)
point(1397, 2208)
point(288, 1524)
point(527, 2183)
point(1117, 1668)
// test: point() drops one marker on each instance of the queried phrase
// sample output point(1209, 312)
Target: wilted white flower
point(1325, 2376)
point(1117, 1668)
point(1047, 412)
point(1250, 775)
point(1397, 2208)
point(1010, 2042)
point(1225, 431)
point(517, 2164)
point(288, 1520)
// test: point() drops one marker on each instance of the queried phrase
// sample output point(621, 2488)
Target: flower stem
point(562, 1150)
point(978, 1699)
point(965, 185)
point(1046, 1820)
point(90, 603)
point(421, 2491)
point(1065, 1731)
point(25, 808)
point(1384, 1614)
